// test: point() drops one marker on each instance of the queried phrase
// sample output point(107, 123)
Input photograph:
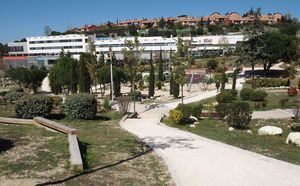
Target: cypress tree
point(223, 80)
point(74, 77)
point(160, 71)
point(171, 83)
point(151, 78)
point(235, 72)
point(84, 77)
point(176, 89)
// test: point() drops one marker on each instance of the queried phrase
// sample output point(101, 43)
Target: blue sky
point(23, 18)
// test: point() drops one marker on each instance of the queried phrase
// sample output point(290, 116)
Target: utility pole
point(111, 75)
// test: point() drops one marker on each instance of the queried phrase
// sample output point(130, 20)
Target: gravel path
point(194, 160)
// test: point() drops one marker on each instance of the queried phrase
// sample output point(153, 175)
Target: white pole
point(111, 77)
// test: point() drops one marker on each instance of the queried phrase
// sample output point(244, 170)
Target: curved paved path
point(194, 160)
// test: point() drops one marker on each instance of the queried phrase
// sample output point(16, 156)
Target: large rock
point(269, 130)
point(293, 138)
point(193, 118)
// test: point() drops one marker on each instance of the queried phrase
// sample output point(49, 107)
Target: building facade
point(45, 50)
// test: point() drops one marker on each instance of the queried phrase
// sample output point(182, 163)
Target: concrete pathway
point(194, 160)
point(273, 114)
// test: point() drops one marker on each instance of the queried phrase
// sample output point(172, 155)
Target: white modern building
point(45, 50)
point(155, 44)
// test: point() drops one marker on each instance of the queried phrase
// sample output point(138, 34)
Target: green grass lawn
point(102, 143)
point(272, 101)
point(272, 146)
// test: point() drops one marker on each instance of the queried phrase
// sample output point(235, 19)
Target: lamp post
point(111, 75)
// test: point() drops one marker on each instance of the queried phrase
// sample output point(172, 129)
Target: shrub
point(175, 116)
point(270, 82)
point(239, 115)
point(222, 108)
point(226, 96)
point(186, 111)
point(282, 102)
point(32, 106)
point(56, 100)
point(106, 104)
point(292, 91)
point(124, 104)
point(212, 63)
point(196, 110)
point(245, 93)
point(296, 127)
point(12, 96)
point(135, 95)
point(81, 106)
point(258, 95)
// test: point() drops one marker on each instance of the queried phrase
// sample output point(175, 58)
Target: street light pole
point(111, 75)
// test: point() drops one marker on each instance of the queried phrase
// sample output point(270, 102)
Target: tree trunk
point(252, 76)
point(181, 94)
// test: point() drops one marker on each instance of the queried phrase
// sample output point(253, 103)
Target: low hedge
point(245, 93)
point(32, 106)
point(81, 106)
point(226, 96)
point(12, 96)
point(270, 82)
point(259, 95)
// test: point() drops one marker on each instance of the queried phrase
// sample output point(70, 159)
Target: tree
point(151, 78)
point(63, 74)
point(132, 57)
point(92, 64)
point(250, 50)
point(132, 31)
point(277, 46)
point(47, 30)
point(171, 84)
point(180, 59)
point(84, 78)
point(28, 78)
point(212, 63)
point(235, 73)
point(223, 82)
point(162, 23)
point(160, 71)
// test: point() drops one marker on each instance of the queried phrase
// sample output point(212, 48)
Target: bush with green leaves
point(239, 115)
point(31, 106)
point(188, 110)
point(12, 96)
point(296, 127)
point(245, 93)
point(81, 106)
point(259, 95)
point(212, 63)
point(226, 96)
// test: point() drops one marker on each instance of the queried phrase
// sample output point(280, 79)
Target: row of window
point(56, 41)
point(56, 47)
point(143, 45)
point(16, 49)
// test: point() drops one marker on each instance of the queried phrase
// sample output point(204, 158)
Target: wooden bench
point(55, 126)
point(16, 121)
point(75, 155)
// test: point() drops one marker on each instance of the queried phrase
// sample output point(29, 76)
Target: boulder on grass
point(293, 138)
point(230, 129)
point(269, 131)
point(193, 118)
